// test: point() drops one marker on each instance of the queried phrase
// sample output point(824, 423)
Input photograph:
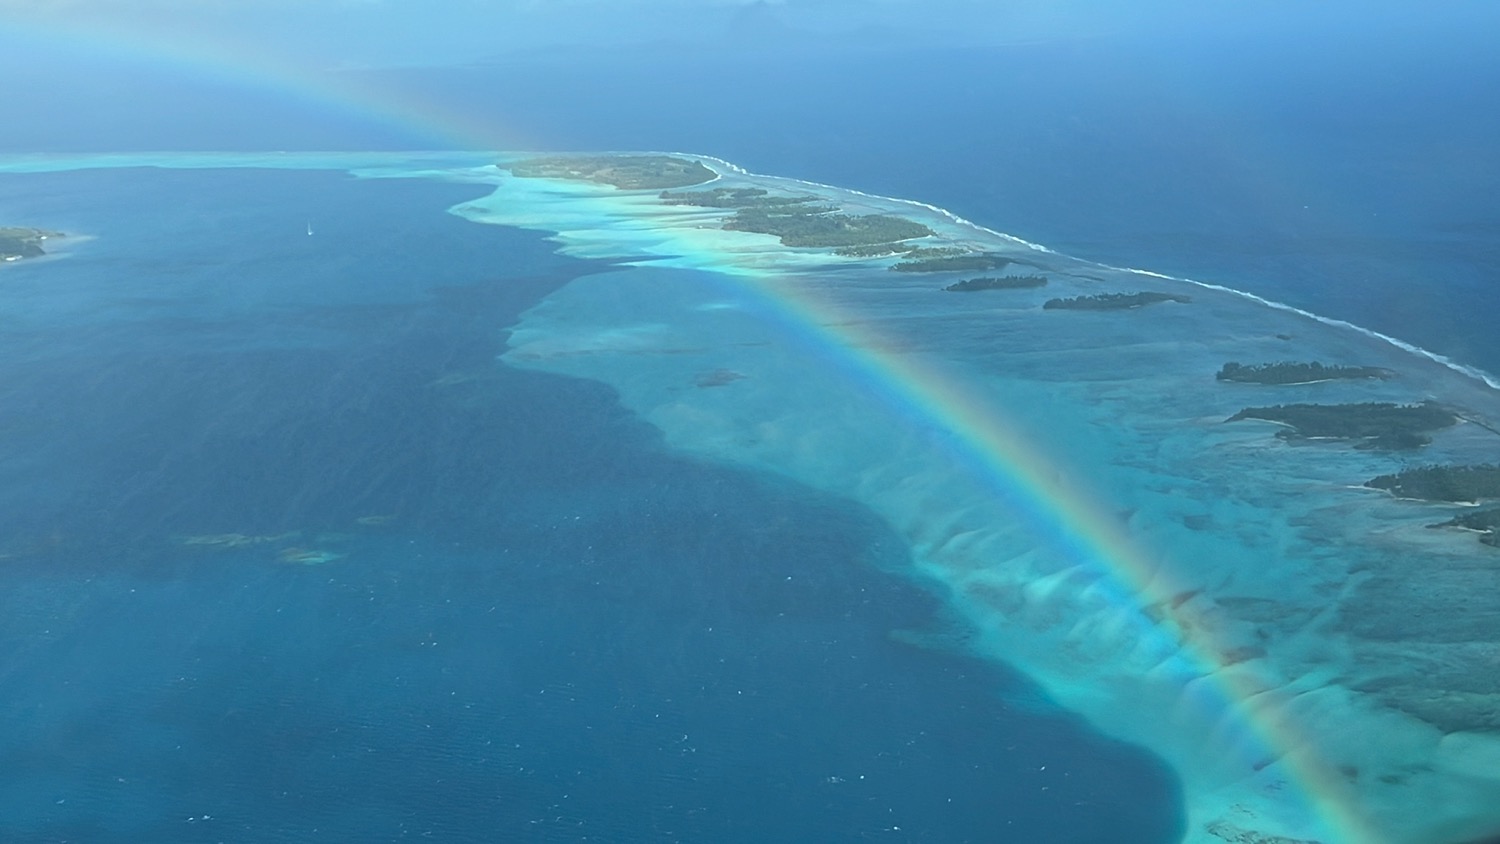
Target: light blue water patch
point(286, 554)
point(375, 163)
point(1268, 567)
point(1279, 635)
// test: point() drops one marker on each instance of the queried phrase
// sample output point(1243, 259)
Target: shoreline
point(1465, 369)
point(355, 161)
point(55, 246)
point(1474, 372)
point(943, 532)
point(1313, 725)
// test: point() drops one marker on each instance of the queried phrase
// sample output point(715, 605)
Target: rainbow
point(1065, 518)
point(1082, 530)
point(249, 67)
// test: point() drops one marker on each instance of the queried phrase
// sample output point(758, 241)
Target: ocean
point(548, 627)
point(1345, 172)
point(544, 619)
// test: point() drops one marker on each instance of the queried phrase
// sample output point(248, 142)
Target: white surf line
point(1461, 368)
point(912, 202)
point(727, 165)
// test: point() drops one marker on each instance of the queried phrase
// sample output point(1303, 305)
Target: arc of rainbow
point(1074, 525)
point(1071, 523)
point(1068, 520)
point(246, 65)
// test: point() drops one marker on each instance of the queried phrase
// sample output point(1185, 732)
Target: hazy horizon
point(352, 492)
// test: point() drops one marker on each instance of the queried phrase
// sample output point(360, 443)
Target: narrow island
point(1004, 282)
point(1287, 373)
point(1113, 301)
point(806, 220)
point(906, 250)
point(1486, 522)
point(965, 263)
point(17, 243)
point(1378, 425)
point(626, 172)
point(824, 226)
point(798, 220)
point(874, 250)
point(1456, 484)
point(935, 252)
point(734, 198)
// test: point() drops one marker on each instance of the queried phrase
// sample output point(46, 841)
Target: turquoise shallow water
point(1345, 168)
point(555, 626)
point(678, 463)
point(1070, 480)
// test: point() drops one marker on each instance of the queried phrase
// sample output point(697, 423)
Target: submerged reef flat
point(1113, 301)
point(1290, 373)
point(1004, 282)
point(17, 243)
point(1380, 424)
point(1312, 661)
point(626, 172)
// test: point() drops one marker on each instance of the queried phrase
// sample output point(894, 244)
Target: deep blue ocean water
point(560, 632)
point(524, 650)
point(1349, 172)
point(1341, 165)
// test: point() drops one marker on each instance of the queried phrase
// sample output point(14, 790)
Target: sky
point(385, 32)
point(116, 60)
point(334, 33)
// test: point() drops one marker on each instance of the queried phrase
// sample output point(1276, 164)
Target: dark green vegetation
point(906, 250)
point(1005, 282)
point(956, 263)
point(1287, 372)
point(1378, 424)
point(626, 172)
point(1487, 522)
point(734, 198)
point(874, 250)
point(805, 220)
point(1113, 301)
point(935, 252)
point(1442, 483)
point(17, 243)
point(822, 226)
